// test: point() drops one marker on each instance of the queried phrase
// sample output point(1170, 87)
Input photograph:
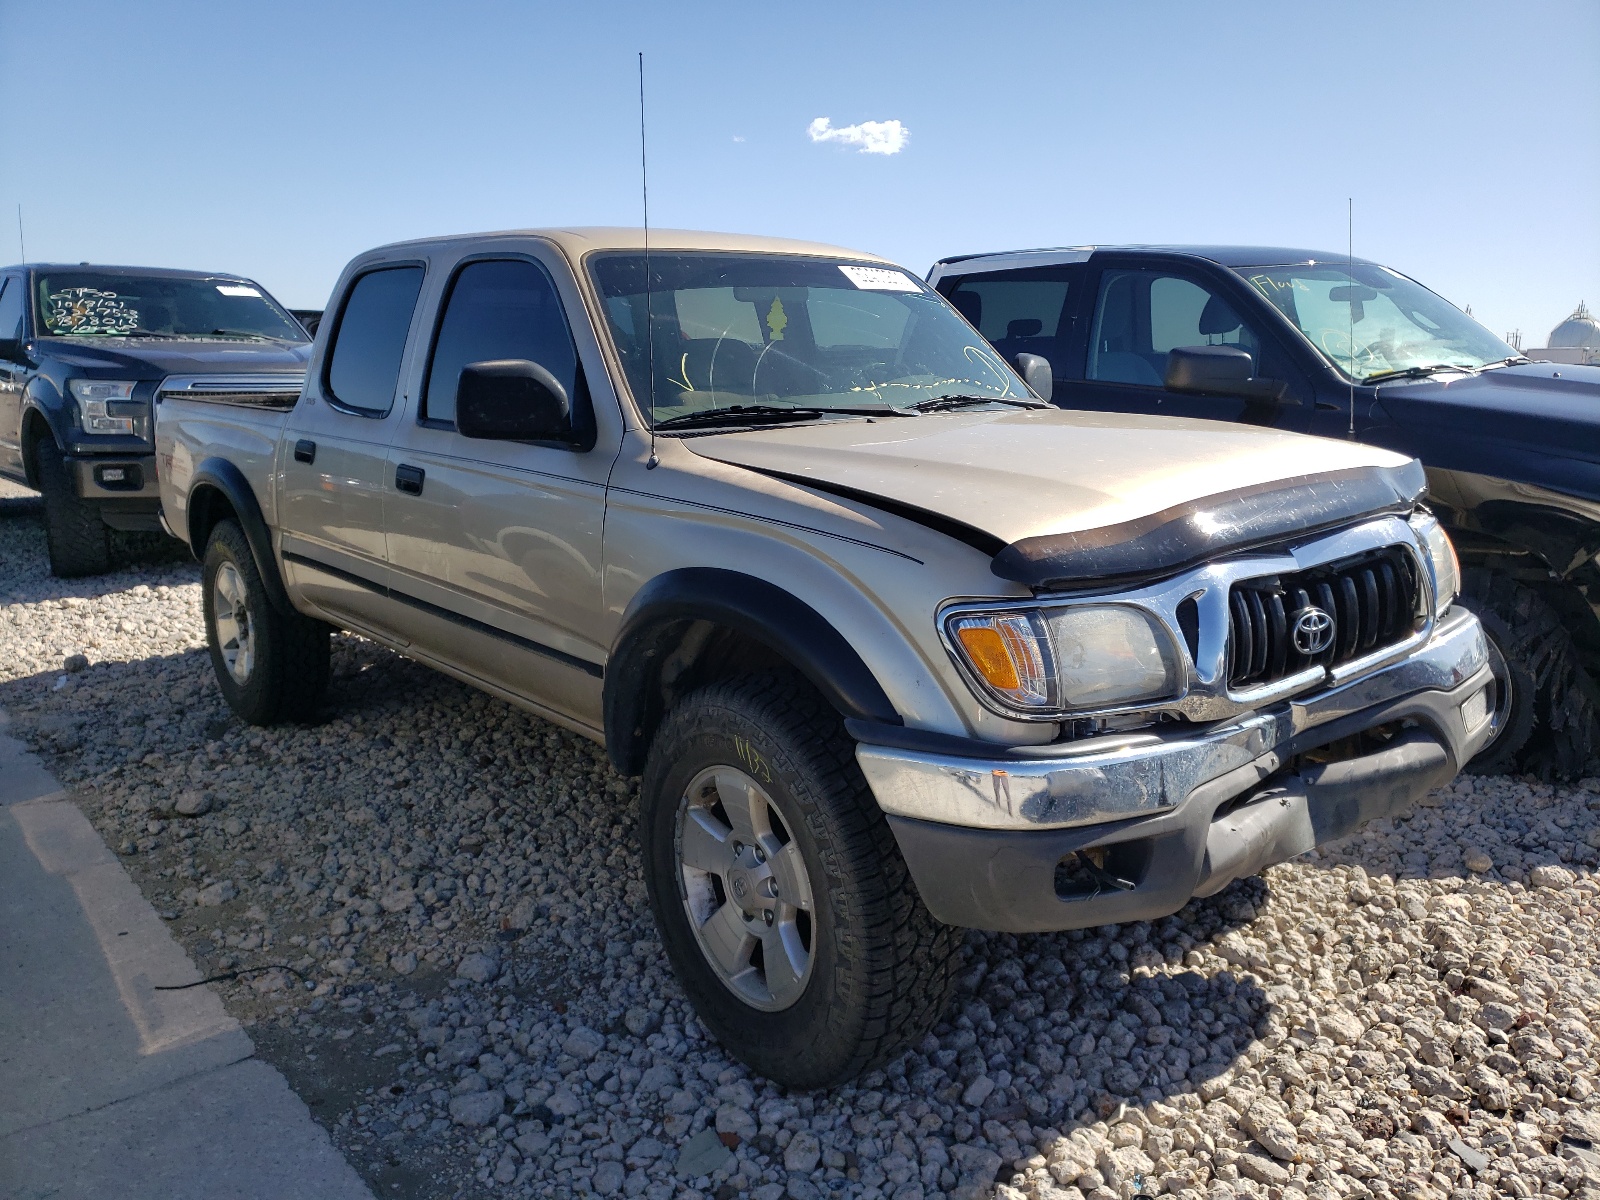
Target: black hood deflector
point(1189, 534)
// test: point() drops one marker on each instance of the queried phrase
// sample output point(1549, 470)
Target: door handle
point(408, 479)
point(305, 451)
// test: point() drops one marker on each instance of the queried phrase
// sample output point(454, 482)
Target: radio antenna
point(22, 244)
point(1350, 270)
point(649, 314)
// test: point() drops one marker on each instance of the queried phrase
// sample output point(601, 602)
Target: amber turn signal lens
point(986, 651)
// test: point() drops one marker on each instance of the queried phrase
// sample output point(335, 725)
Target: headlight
point(1442, 557)
point(92, 396)
point(1058, 661)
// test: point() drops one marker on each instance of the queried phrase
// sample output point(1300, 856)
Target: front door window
point(498, 309)
point(1141, 315)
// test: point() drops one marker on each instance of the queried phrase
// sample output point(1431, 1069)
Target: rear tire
point(852, 968)
point(76, 538)
point(272, 668)
point(1552, 724)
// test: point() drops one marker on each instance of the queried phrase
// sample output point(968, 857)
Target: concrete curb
point(112, 1087)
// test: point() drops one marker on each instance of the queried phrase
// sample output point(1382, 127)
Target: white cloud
point(869, 137)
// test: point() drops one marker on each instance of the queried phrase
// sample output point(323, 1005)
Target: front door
point(334, 456)
point(1139, 315)
point(14, 373)
point(498, 543)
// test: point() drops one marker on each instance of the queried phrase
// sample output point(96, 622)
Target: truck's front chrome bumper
point(1132, 832)
point(1110, 779)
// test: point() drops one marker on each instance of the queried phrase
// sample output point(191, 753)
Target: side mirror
point(1219, 371)
point(1037, 373)
point(11, 349)
point(511, 399)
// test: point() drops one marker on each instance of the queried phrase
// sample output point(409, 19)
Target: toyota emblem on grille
point(1312, 631)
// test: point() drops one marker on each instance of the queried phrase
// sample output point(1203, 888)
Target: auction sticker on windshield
point(88, 310)
point(880, 279)
point(236, 289)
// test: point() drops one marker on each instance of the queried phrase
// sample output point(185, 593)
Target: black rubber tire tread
point(292, 653)
point(76, 538)
point(1554, 727)
point(890, 963)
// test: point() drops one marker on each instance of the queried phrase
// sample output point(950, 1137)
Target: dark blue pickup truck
point(85, 352)
point(1326, 344)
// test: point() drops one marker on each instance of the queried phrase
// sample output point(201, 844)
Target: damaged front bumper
point(1109, 830)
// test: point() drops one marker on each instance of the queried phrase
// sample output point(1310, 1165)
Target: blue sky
point(279, 140)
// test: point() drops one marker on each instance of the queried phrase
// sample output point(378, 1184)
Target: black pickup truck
point(84, 352)
point(1327, 344)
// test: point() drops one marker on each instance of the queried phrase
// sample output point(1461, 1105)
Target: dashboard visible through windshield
point(110, 304)
point(1371, 322)
point(748, 333)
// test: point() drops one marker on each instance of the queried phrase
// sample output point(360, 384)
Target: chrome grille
point(1373, 599)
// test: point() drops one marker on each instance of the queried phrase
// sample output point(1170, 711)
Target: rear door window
point(1020, 312)
point(498, 309)
point(370, 341)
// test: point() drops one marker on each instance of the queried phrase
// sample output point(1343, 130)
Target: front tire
point(76, 538)
point(272, 668)
point(1552, 722)
point(783, 902)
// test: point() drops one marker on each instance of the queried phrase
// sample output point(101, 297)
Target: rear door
point(334, 458)
point(495, 546)
point(13, 373)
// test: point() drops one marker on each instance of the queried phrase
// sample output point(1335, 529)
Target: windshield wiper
point(1420, 372)
point(760, 414)
point(964, 400)
point(250, 333)
point(132, 333)
point(1514, 360)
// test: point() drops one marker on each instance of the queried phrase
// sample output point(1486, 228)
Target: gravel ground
point(478, 1005)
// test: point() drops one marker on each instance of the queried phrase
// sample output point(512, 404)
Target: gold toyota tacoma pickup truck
point(896, 647)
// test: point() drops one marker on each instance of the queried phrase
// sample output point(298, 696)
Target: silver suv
point(895, 646)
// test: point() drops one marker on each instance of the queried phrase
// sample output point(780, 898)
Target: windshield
point(1368, 320)
point(110, 304)
point(740, 330)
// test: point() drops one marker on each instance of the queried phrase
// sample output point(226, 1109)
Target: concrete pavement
point(107, 1086)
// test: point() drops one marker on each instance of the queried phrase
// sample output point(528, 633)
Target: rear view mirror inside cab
point(1220, 370)
point(512, 399)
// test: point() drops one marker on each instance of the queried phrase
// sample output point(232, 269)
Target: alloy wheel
point(231, 616)
point(745, 888)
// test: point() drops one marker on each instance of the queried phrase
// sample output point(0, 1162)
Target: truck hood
point(1029, 477)
point(1549, 406)
point(142, 358)
point(1537, 423)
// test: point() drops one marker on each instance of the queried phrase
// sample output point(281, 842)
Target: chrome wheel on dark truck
point(76, 538)
point(271, 666)
point(783, 902)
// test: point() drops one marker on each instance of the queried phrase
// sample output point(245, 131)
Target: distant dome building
point(1576, 340)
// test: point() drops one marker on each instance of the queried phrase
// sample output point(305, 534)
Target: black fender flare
point(55, 423)
point(226, 478)
point(753, 607)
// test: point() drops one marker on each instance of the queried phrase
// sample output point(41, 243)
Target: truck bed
point(236, 420)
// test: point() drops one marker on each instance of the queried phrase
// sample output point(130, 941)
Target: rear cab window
point(369, 341)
